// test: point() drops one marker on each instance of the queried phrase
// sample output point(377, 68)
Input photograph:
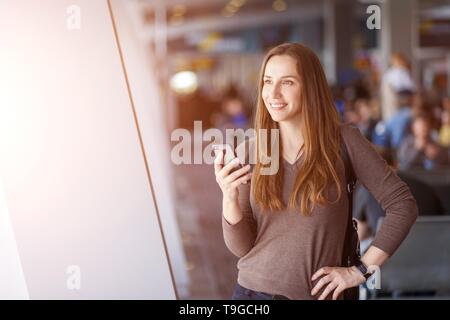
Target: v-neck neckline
point(295, 162)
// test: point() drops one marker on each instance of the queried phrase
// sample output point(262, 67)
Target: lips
point(278, 106)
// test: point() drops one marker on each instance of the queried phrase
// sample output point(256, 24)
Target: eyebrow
point(295, 77)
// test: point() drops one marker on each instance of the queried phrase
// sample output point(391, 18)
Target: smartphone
point(228, 156)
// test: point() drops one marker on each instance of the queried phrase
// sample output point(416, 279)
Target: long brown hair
point(321, 134)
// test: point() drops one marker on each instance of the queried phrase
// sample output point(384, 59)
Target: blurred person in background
point(365, 120)
point(419, 149)
point(397, 78)
point(446, 103)
point(391, 133)
point(444, 131)
point(233, 112)
point(339, 100)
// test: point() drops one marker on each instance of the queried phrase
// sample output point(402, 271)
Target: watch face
point(367, 275)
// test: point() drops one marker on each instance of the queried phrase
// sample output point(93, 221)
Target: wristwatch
point(363, 269)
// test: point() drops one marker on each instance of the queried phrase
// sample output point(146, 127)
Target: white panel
point(72, 167)
point(150, 111)
point(11, 275)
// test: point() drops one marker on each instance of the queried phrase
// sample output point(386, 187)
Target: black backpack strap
point(351, 245)
point(350, 181)
point(350, 177)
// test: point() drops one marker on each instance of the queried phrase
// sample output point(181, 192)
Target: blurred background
point(392, 82)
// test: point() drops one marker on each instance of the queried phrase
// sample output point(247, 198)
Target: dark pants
point(241, 293)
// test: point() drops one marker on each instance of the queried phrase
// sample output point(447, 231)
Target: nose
point(275, 91)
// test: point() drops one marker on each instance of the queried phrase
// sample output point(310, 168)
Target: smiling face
point(293, 93)
point(281, 88)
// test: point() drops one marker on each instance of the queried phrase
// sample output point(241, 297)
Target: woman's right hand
point(229, 182)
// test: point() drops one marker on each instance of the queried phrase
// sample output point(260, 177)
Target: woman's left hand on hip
point(335, 280)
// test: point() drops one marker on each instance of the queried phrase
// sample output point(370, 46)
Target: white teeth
point(278, 105)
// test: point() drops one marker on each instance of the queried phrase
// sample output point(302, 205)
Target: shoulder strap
point(350, 177)
point(350, 181)
point(351, 244)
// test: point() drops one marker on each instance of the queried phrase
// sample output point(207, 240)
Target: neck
point(291, 137)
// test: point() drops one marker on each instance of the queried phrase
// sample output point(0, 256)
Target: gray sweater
point(280, 251)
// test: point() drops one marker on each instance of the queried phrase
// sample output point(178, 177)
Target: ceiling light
point(179, 10)
point(279, 5)
point(237, 3)
point(184, 82)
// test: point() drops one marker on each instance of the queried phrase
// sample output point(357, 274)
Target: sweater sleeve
point(240, 237)
point(387, 188)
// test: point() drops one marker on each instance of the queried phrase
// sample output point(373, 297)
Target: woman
point(288, 228)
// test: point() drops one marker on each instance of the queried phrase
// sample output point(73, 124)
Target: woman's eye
point(267, 81)
point(288, 82)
